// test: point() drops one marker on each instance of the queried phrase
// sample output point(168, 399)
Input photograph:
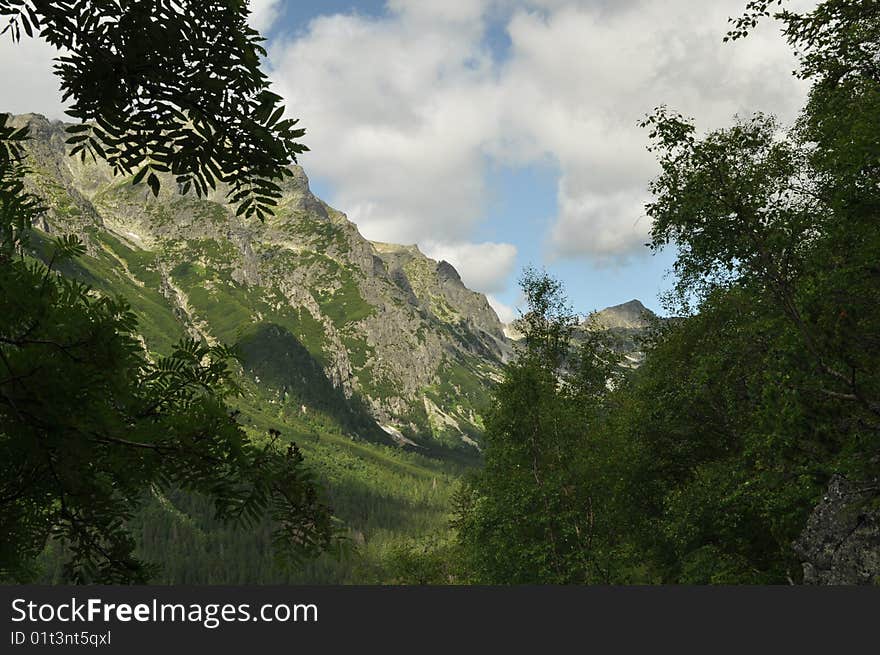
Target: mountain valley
point(374, 358)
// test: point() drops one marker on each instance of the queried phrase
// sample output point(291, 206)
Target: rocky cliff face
point(437, 286)
point(389, 327)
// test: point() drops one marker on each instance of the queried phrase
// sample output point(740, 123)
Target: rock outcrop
point(841, 542)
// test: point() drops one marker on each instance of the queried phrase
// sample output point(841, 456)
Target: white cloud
point(396, 113)
point(264, 13)
point(455, 11)
point(584, 73)
point(607, 225)
point(484, 267)
point(29, 85)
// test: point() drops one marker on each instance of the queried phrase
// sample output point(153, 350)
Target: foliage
point(168, 87)
point(744, 409)
point(430, 560)
point(90, 424)
point(18, 206)
point(392, 502)
point(792, 217)
point(529, 516)
point(722, 456)
point(703, 465)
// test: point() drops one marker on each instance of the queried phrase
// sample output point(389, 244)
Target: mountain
point(325, 320)
point(628, 316)
point(629, 323)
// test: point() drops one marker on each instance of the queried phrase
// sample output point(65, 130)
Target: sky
point(497, 134)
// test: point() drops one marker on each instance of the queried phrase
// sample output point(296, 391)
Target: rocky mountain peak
point(630, 315)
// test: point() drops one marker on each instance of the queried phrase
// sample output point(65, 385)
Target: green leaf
point(153, 182)
point(140, 175)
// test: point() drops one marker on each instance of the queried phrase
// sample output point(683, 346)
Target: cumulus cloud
point(586, 72)
point(404, 111)
point(484, 267)
point(608, 225)
point(456, 11)
point(397, 111)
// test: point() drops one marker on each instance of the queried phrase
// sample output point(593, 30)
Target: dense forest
point(702, 465)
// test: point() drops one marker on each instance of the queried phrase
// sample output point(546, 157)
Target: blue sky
point(496, 133)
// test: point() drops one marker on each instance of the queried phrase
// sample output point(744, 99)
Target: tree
point(792, 216)
point(746, 407)
point(722, 457)
point(532, 514)
point(88, 423)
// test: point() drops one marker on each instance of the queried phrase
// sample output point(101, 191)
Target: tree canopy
point(530, 515)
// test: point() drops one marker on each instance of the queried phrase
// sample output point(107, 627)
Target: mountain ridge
point(386, 324)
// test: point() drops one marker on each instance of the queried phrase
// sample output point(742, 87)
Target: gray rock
point(841, 542)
